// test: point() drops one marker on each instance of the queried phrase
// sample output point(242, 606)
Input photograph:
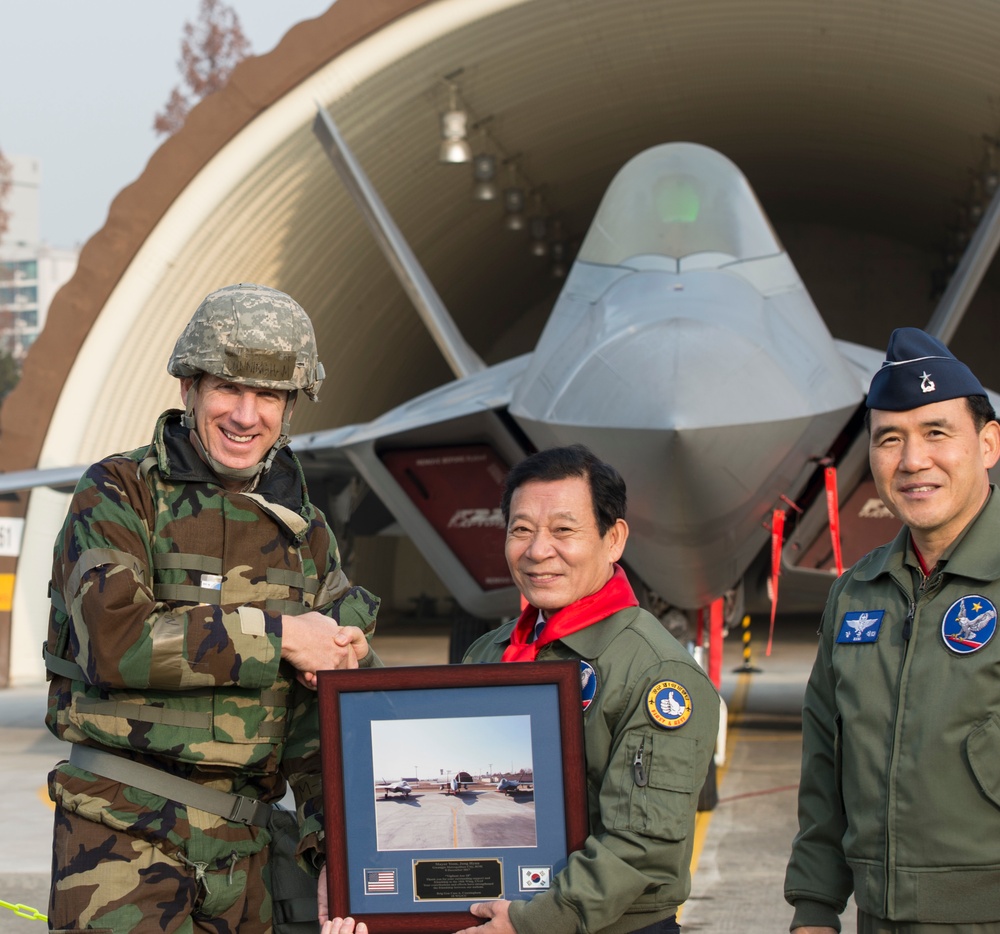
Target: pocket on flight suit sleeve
point(662, 807)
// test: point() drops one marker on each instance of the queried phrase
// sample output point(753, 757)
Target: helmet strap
point(286, 430)
point(187, 419)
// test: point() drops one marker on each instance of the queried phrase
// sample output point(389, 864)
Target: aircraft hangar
point(868, 129)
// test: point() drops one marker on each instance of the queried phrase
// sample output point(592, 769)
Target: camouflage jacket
point(167, 592)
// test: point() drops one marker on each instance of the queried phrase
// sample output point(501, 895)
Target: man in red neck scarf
point(650, 713)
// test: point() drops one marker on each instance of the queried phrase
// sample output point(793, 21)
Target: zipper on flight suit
point(908, 622)
point(890, 769)
point(638, 769)
point(928, 587)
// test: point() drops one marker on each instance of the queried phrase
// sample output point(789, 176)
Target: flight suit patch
point(669, 704)
point(588, 683)
point(860, 626)
point(969, 623)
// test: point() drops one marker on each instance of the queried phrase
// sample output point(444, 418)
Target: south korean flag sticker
point(534, 878)
point(668, 704)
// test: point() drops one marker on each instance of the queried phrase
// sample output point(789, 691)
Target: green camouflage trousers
point(123, 882)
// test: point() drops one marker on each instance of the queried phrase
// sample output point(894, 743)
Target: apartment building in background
point(31, 272)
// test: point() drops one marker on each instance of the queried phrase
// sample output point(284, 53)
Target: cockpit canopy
point(677, 200)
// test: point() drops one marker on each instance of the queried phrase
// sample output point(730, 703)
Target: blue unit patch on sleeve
point(588, 683)
point(971, 622)
point(860, 626)
point(669, 704)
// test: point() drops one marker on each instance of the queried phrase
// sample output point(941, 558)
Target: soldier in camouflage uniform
point(195, 592)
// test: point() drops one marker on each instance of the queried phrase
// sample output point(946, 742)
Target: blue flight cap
point(918, 370)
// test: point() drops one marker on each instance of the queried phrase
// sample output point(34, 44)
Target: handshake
point(313, 642)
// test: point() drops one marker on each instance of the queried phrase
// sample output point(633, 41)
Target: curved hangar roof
point(860, 125)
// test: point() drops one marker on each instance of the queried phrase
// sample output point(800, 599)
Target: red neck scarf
point(615, 595)
point(926, 571)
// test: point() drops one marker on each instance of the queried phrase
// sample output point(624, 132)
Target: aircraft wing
point(63, 479)
point(437, 464)
point(863, 361)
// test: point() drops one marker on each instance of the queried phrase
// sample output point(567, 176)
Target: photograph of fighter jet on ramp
point(451, 810)
point(520, 784)
point(400, 787)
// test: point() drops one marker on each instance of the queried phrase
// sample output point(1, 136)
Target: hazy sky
point(80, 83)
point(422, 748)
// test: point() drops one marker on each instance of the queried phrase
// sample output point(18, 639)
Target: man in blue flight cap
point(899, 800)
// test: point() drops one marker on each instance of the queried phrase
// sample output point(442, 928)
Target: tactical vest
point(235, 551)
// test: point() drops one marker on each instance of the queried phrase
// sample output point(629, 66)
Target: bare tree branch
point(210, 50)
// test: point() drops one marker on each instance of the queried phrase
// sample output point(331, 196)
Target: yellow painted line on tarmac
point(43, 796)
point(739, 702)
point(763, 736)
point(704, 818)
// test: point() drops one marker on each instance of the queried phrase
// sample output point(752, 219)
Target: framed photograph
point(446, 785)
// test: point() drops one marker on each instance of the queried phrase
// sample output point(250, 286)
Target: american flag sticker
point(534, 877)
point(380, 882)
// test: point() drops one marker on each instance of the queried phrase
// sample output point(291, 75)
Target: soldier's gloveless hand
point(313, 642)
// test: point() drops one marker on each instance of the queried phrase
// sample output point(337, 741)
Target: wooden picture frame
point(411, 856)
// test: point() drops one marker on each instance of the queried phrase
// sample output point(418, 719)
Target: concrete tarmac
point(745, 842)
point(27, 754)
point(435, 820)
point(742, 845)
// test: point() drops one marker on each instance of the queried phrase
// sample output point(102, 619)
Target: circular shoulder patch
point(588, 683)
point(969, 623)
point(669, 704)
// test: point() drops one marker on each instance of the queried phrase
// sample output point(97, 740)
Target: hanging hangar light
point(484, 171)
point(538, 227)
point(454, 148)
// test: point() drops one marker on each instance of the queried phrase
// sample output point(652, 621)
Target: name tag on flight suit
point(860, 626)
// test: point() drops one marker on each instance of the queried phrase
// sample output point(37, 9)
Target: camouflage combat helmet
point(253, 335)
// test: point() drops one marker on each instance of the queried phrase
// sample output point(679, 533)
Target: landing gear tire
point(733, 605)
